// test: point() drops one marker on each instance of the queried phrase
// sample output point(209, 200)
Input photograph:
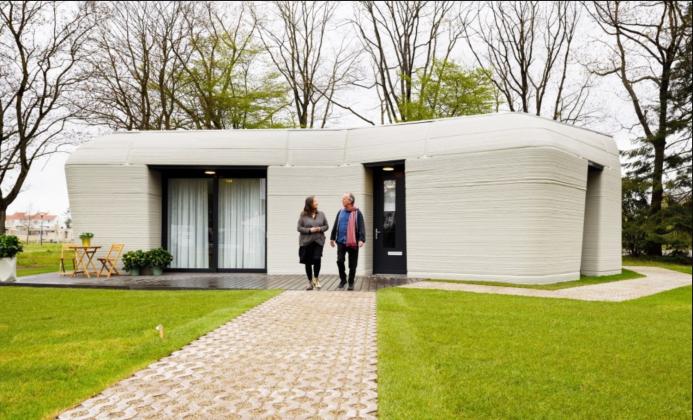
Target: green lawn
point(37, 259)
point(663, 263)
point(60, 346)
point(464, 355)
point(584, 281)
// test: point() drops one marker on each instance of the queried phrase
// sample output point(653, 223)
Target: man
point(349, 231)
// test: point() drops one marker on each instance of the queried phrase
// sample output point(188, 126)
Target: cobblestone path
point(298, 355)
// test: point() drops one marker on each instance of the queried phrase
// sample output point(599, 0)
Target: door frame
point(176, 171)
point(376, 175)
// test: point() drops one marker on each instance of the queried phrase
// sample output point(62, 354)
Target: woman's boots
point(314, 283)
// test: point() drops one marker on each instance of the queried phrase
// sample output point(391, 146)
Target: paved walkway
point(298, 355)
point(657, 280)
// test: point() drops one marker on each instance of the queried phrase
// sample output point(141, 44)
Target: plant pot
point(86, 242)
point(157, 271)
point(134, 271)
point(8, 269)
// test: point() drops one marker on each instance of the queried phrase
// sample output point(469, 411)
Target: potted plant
point(9, 248)
point(158, 259)
point(86, 238)
point(133, 261)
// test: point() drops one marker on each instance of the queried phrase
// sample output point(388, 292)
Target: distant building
point(30, 227)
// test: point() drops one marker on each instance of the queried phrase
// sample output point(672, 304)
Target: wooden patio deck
point(207, 281)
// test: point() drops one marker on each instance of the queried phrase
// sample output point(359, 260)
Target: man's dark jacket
point(360, 227)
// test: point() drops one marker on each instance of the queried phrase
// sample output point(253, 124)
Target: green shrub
point(9, 246)
point(134, 259)
point(158, 257)
point(86, 235)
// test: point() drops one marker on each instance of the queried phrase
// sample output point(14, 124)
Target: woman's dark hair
point(308, 208)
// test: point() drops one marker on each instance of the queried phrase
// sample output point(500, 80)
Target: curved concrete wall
point(512, 215)
point(503, 197)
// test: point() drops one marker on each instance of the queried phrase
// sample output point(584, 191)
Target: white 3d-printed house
point(502, 197)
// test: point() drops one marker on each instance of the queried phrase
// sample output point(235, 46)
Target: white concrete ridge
point(657, 280)
point(346, 146)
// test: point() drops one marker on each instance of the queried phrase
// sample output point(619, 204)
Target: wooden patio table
point(84, 260)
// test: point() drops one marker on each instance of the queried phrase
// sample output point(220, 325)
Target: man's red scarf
point(351, 229)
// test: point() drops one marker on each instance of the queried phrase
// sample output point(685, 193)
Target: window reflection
point(389, 208)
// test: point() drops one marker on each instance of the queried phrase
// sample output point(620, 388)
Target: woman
point(312, 225)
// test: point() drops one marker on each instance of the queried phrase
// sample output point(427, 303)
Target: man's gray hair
point(351, 197)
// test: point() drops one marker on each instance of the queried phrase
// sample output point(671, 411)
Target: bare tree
point(25, 221)
point(529, 47)
point(294, 35)
point(167, 65)
point(404, 39)
point(68, 218)
point(645, 40)
point(40, 48)
point(133, 67)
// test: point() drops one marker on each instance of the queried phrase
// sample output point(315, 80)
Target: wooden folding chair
point(67, 252)
point(110, 261)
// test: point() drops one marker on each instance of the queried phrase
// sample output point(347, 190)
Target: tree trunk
point(657, 176)
point(3, 217)
point(659, 145)
point(302, 109)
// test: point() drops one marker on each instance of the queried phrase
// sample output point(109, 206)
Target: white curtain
point(242, 223)
point(188, 221)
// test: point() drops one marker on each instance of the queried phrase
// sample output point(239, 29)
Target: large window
point(189, 221)
point(241, 223)
point(215, 219)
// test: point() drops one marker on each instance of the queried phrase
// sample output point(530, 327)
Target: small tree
point(635, 224)
point(451, 91)
point(403, 39)
point(25, 222)
point(68, 218)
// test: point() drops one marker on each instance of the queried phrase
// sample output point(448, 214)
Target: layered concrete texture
point(287, 188)
point(502, 197)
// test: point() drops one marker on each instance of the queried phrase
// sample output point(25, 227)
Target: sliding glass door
point(241, 223)
point(189, 221)
point(215, 219)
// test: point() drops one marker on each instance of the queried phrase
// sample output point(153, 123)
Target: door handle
point(376, 233)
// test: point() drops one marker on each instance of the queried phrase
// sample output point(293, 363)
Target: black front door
point(389, 233)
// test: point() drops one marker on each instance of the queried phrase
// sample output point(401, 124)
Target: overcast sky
point(45, 188)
